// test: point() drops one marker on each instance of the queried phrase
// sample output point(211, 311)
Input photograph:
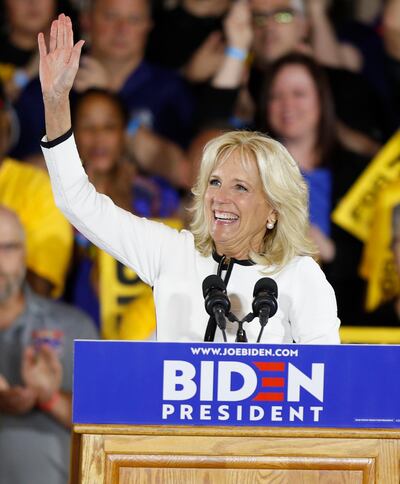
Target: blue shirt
point(319, 183)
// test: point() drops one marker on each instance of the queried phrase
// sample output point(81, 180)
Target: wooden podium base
point(104, 454)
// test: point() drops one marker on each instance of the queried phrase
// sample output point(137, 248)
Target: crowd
point(157, 81)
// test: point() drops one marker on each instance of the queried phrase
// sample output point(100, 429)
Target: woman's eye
point(241, 188)
point(214, 182)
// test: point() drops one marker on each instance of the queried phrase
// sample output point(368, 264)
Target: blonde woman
point(249, 220)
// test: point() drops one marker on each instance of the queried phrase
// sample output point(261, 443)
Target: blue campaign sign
point(124, 382)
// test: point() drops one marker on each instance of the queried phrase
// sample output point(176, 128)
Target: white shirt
point(167, 260)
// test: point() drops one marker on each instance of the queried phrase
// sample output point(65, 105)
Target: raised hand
point(237, 25)
point(59, 64)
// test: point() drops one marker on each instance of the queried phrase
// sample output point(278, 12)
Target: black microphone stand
point(241, 336)
point(263, 321)
point(212, 327)
point(210, 330)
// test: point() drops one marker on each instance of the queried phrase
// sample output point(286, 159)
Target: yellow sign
point(378, 265)
point(354, 212)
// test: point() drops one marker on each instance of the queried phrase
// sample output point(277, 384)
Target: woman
point(250, 219)
point(297, 108)
point(99, 122)
point(18, 56)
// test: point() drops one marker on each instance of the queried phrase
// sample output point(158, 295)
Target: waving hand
point(59, 64)
point(57, 70)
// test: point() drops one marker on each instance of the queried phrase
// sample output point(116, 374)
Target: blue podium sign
point(121, 382)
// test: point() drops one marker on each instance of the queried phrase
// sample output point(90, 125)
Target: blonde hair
point(285, 189)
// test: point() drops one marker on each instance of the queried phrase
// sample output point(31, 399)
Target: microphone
point(265, 302)
point(217, 305)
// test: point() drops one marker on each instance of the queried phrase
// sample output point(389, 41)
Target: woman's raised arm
point(57, 69)
point(135, 242)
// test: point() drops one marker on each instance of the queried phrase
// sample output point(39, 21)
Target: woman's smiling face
point(294, 106)
point(236, 207)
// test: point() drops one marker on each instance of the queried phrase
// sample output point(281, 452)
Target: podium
point(220, 413)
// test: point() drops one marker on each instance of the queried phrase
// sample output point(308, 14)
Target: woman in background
point(297, 108)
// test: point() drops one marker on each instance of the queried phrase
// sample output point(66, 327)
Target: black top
point(343, 271)
point(177, 34)
point(11, 54)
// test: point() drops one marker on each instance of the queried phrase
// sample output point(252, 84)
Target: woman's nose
point(222, 195)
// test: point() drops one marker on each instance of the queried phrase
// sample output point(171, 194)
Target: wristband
point(133, 126)
point(236, 53)
point(49, 404)
point(20, 78)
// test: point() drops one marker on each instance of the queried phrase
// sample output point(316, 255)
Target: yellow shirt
point(26, 190)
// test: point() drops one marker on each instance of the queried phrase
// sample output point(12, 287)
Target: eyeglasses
point(279, 16)
point(9, 247)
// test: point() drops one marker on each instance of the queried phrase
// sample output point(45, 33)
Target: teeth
point(225, 216)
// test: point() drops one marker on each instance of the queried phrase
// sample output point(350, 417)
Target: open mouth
point(225, 217)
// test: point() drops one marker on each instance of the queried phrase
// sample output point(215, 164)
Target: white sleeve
point(135, 242)
point(313, 309)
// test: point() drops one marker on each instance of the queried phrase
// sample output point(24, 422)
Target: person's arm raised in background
point(239, 34)
point(223, 97)
point(327, 49)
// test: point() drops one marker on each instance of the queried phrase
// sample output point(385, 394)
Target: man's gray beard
point(12, 286)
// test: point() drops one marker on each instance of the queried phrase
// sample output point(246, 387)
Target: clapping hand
point(15, 400)
point(58, 64)
point(42, 371)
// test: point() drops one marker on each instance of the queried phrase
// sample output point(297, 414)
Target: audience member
point(218, 97)
point(19, 68)
point(99, 124)
point(189, 37)
point(208, 41)
point(373, 40)
point(283, 26)
point(154, 96)
point(27, 191)
point(298, 110)
point(19, 61)
point(36, 337)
